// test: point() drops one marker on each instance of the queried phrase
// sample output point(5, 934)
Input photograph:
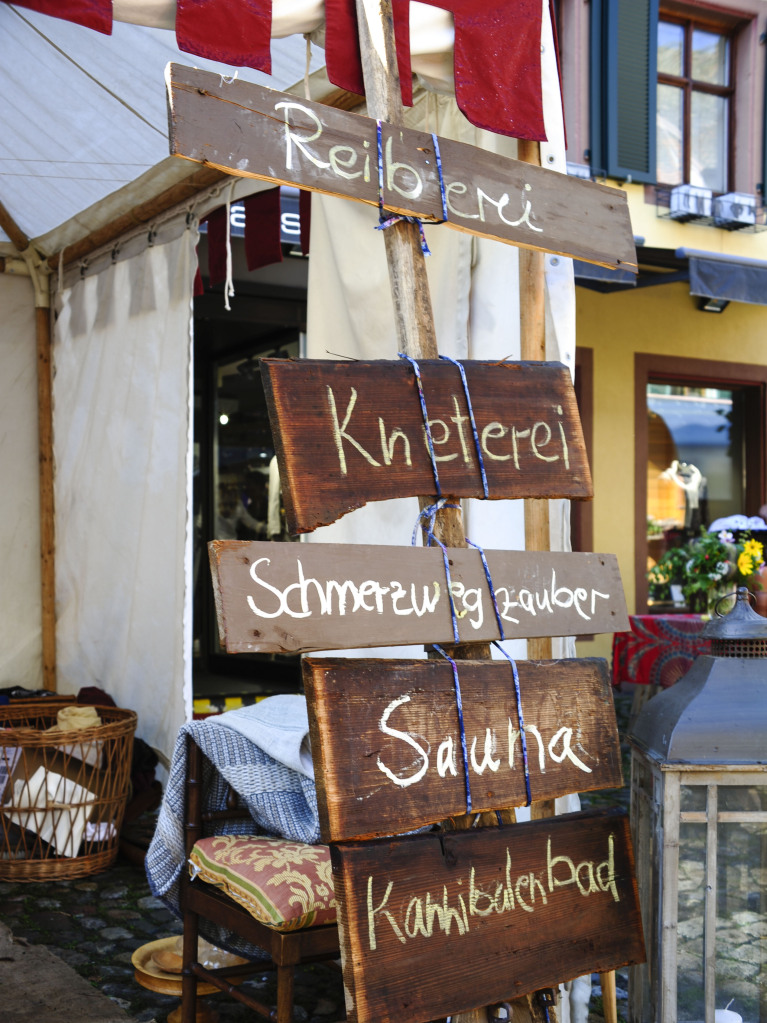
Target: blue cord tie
point(472, 420)
point(518, 694)
point(425, 414)
point(428, 515)
point(385, 220)
point(462, 730)
point(514, 671)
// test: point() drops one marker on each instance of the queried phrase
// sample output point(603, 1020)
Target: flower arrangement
point(706, 565)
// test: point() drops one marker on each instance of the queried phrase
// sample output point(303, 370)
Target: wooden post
point(415, 322)
point(45, 445)
point(532, 326)
point(47, 520)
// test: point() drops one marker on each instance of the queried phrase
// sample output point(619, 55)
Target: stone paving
point(95, 924)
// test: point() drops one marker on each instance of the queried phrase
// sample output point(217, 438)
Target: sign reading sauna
point(388, 753)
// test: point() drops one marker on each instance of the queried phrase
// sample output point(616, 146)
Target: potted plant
point(708, 566)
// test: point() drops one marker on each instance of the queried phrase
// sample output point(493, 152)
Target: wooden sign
point(386, 741)
point(350, 432)
point(436, 924)
point(299, 597)
point(250, 131)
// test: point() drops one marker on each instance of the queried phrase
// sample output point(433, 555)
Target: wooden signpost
point(442, 923)
point(387, 748)
point(351, 432)
point(294, 598)
point(249, 131)
point(428, 920)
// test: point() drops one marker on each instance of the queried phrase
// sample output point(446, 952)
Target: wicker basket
point(62, 794)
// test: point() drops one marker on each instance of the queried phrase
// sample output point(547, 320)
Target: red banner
point(95, 14)
point(231, 31)
point(497, 48)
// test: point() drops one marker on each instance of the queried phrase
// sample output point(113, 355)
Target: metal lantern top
point(741, 633)
point(717, 713)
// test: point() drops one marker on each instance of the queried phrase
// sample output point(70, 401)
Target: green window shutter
point(623, 88)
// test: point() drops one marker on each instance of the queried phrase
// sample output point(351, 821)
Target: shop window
point(700, 454)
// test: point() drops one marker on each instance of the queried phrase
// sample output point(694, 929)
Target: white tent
point(85, 171)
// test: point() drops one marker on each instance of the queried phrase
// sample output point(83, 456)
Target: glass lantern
point(699, 824)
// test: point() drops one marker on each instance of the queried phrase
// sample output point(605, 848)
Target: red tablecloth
point(659, 650)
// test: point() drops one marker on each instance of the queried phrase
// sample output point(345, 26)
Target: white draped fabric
point(20, 651)
point(122, 445)
point(475, 297)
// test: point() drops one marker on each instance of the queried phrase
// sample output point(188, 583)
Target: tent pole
point(47, 507)
point(532, 326)
point(416, 335)
point(38, 274)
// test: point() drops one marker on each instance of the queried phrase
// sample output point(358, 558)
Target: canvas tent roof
point(84, 117)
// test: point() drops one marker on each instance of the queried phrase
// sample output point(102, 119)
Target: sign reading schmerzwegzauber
point(291, 598)
point(350, 432)
point(250, 131)
point(436, 924)
point(387, 747)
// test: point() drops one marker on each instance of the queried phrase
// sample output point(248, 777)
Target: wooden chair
point(286, 948)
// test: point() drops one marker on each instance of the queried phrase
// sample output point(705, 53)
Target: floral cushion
point(285, 885)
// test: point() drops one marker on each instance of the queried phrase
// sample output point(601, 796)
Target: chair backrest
point(196, 818)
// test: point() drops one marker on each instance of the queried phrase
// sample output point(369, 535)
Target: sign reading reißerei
point(247, 130)
point(436, 924)
point(295, 598)
point(387, 749)
point(350, 432)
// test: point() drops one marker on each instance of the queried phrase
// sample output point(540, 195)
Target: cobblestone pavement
point(95, 924)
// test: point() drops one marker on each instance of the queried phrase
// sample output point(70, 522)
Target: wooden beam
point(47, 507)
point(12, 229)
point(45, 451)
point(143, 213)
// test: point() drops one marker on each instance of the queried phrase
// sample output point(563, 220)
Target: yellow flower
point(754, 549)
point(745, 563)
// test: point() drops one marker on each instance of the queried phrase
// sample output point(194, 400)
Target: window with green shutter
point(623, 94)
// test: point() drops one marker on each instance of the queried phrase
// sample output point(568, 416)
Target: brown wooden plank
point(294, 598)
point(351, 432)
point(387, 749)
point(251, 131)
point(439, 923)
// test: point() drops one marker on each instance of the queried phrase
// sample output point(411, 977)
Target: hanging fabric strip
point(229, 282)
point(472, 420)
point(462, 730)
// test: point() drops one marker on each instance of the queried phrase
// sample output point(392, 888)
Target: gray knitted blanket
point(281, 799)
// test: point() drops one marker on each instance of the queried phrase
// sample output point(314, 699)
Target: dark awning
point(602, 278)
point(732, 278)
